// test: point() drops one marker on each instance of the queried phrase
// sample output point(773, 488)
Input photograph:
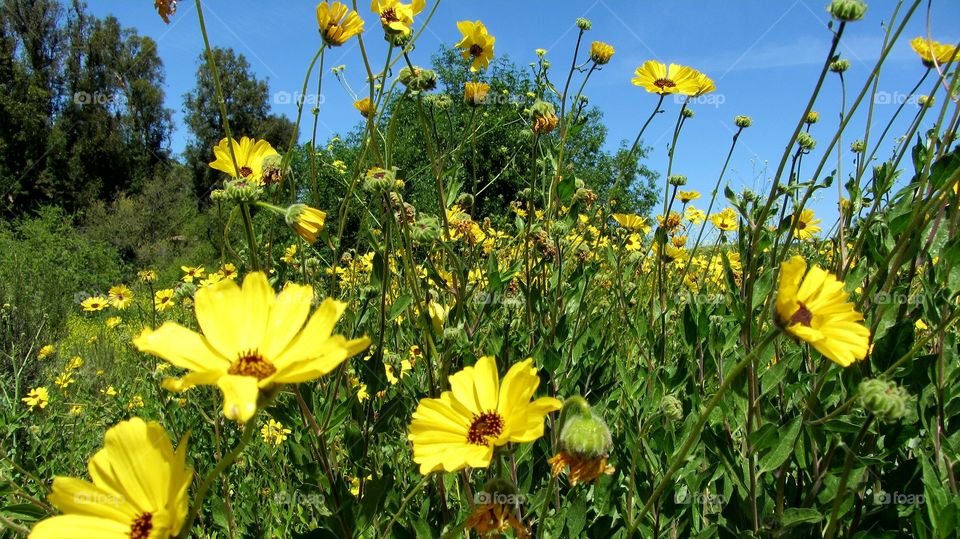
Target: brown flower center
point(484, 426)
point(252, 364)
point(664, 83)
point(245, 171)
point(141, 527)
point(476, 50)
point(802, 316)
point(388, 16)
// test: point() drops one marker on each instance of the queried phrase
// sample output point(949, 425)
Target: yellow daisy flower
point(94, 304)
point(163, 299)
point(147, 276)
point(120, 296)
point(306, 221)
point(814, 307)
point(727, 220)
point(475, 93)
point(479, 413)
point(250, 154)
point(365, 106)
point(477, 44)
point(694, 215)
point(45, 351)
point(191, 273)
point(139, 489)
point(932, 52)
point(807, 225)
point(658, 78)
point(687, 196)
point(635, 223)
point(601, 52)
point(37, 397)
point(253, 339)
point(337, 23)
point(395, 17)
point(273, 432)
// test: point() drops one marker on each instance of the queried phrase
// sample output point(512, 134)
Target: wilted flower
point(306, 221)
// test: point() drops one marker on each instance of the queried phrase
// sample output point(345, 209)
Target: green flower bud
point(584, 24)
point(806, 141)
point(677, 180)
point(884, 399)
point(858, 146)
point(240, 190)
point(839, 65)
point(418, 79)
point(425, 230)
point(925, 101)
point(672, 408)
point(848, 10)
point(378, 180)
point(687, 112)
point(743, 121)
point(813, 117)
point(397, 39)
point(582, 433)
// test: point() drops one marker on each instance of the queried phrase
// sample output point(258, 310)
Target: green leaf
point(781, 453)
point(400, 305)
point(795, 516)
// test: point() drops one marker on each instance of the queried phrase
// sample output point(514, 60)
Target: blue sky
point(764, 55)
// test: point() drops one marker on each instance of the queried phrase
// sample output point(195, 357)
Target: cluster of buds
point(418, 79)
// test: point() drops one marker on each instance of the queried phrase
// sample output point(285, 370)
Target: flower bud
point(677, 180)
point(601, 52)
point(884, 399)
point(672, 408)
point(425, 230)
point(240, 190)
point(858, 146)
point(812, 117)
point(418, 79)
point(806, 141)
point(581, 432)
point(584, 24)
point(687, 112)
point(839, 65)
point(848, 10)
point(925, 101)
point(378, 180)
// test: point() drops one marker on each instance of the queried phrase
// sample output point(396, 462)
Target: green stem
point(216, 82)
point(251, 237)
point(844, 478)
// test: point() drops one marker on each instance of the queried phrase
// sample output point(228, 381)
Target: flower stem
point(221, 467)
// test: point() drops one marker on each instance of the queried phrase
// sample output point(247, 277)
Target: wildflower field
point(468, 318)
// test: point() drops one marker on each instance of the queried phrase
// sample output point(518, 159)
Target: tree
point(248, 110)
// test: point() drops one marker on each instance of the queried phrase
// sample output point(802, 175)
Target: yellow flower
point(64, 380)
point(135, 402)
point(37, 397)
point(113, 321)
point(250, 154)
point(139, 489)
point(658, 78)
point(306, 221)
point(191, 273)
point(694, 215)
point(355, 484)
point(932, 52)
point(395, 17)
point(337, 23)
point(147, 276)
point(252, 339)
point(462, 427)
point(475, 93)
point(365, 106)
point(687, 196)
point(815, 308)
point(583, 468)
point(212, 278)
point(601, 52)
point(94, 304)
point(120, 296)
point(110, 391)
point(289, 255)
point(477, 44)
point(163, 299)
point(635, 223)
point(921, 325)
point(274, 433)
point(228, 271)
point(438, 315)
point(45, 351)
point(705, 85)
point(807, 225)
point(75, 363)
point(727, 220)
point(76, 409)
